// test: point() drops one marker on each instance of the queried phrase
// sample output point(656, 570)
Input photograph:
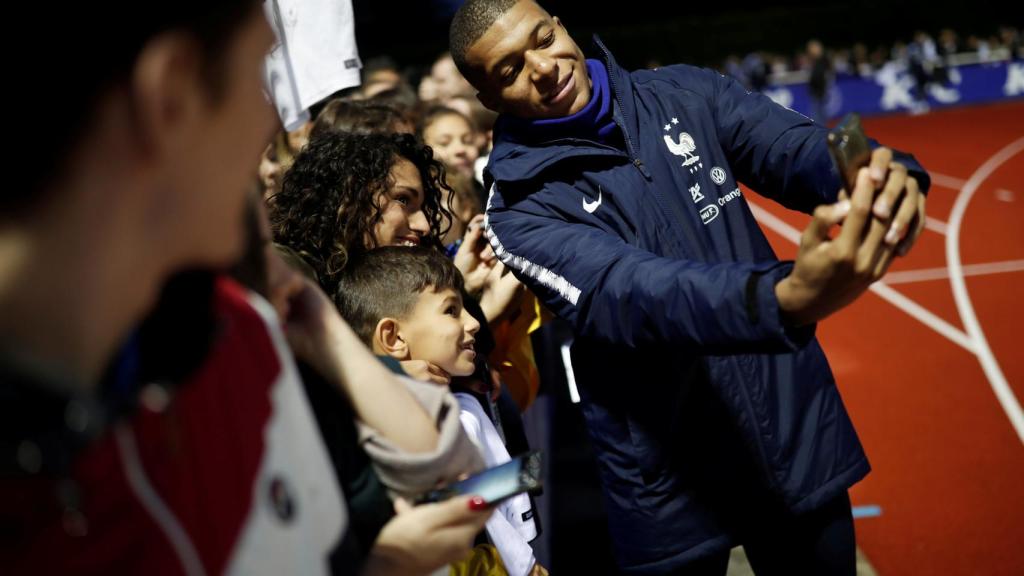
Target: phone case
point(850, 149)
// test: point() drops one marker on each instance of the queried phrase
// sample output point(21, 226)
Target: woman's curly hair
point(330, 199)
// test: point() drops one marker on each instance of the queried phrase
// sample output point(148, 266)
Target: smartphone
point(521, 474)
point(849, 148)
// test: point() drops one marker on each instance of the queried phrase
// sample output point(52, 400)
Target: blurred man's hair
point(88, 54)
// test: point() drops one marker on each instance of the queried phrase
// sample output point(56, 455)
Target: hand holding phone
point(521, 474)
point(849, 148)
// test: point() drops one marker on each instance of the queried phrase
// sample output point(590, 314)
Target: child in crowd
point(453, 137)
point(406, 303)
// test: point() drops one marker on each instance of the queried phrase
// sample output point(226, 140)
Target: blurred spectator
point(464, 205)
point(949, 43)
point(453, 138)
point(448, 81)
point(755, 70)
point(979, 47)
point(484, 120)
point(820, 79)
point(401, 96)
point(379, 74)
point(1011, 40)
point(270, 171)
point(360, 117)
point(841, 62)
point(921, 61)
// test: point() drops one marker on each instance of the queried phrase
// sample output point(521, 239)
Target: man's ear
point(167, 90)
point(388, 339)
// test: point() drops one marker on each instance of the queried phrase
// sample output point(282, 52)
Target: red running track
point(948, 465)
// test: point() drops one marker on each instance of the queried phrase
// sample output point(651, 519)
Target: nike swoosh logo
point(591, 206)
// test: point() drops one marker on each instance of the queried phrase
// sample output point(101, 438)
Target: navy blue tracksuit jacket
point(702, 405)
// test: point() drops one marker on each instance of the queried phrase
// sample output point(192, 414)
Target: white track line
point(963, 301)
point(887, 293)
point(907, 276)
point(923, 315)
point(950, 182)
point(935, 225)
point(956, 184)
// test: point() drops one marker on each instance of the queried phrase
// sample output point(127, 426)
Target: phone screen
point(495, 484)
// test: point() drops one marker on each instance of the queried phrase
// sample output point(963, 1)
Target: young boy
point(406, 303)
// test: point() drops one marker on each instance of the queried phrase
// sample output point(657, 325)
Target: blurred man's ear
point(388, 340)
point(167, 91)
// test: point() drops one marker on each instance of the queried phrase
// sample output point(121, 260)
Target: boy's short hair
point(387, 282)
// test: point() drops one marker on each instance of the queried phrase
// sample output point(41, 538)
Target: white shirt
point(511, 527)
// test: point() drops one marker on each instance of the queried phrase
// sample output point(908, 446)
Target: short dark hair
point(402, 97)
point(471, 21)
point(387, 282)
point(357, 116)
point(378, 63)
point(94, 53)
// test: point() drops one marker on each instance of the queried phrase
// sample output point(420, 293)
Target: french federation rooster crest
point(685, 147)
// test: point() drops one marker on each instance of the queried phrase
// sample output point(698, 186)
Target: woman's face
point(270, 171)
point(402, 221)
point(454, 142)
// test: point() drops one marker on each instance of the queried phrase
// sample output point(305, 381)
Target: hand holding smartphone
point(849, 148)
point(521, 474)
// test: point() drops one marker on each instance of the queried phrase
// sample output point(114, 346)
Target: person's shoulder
point(472, 416)
point(519, 206)
point(469, 405)
point(536, 195)
point(232, 299)
point(681, 76)
point(248, 339)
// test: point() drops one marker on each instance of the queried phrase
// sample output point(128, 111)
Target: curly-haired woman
point(349, 193)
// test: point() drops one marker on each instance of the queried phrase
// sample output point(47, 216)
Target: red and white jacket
point(231, 476)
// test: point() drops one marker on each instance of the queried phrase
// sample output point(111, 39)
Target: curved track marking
point(963, 301)
point(886, 292)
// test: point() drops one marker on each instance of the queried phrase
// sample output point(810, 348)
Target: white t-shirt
point(314, 57)
point(511, 527)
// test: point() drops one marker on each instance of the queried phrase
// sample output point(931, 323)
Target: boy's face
point(453, 142)
point(440, 331)
point(527, 65)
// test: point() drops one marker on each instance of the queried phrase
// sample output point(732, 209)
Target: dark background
point(414, 32)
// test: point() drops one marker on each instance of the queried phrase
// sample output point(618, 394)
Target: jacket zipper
point(619, 119)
